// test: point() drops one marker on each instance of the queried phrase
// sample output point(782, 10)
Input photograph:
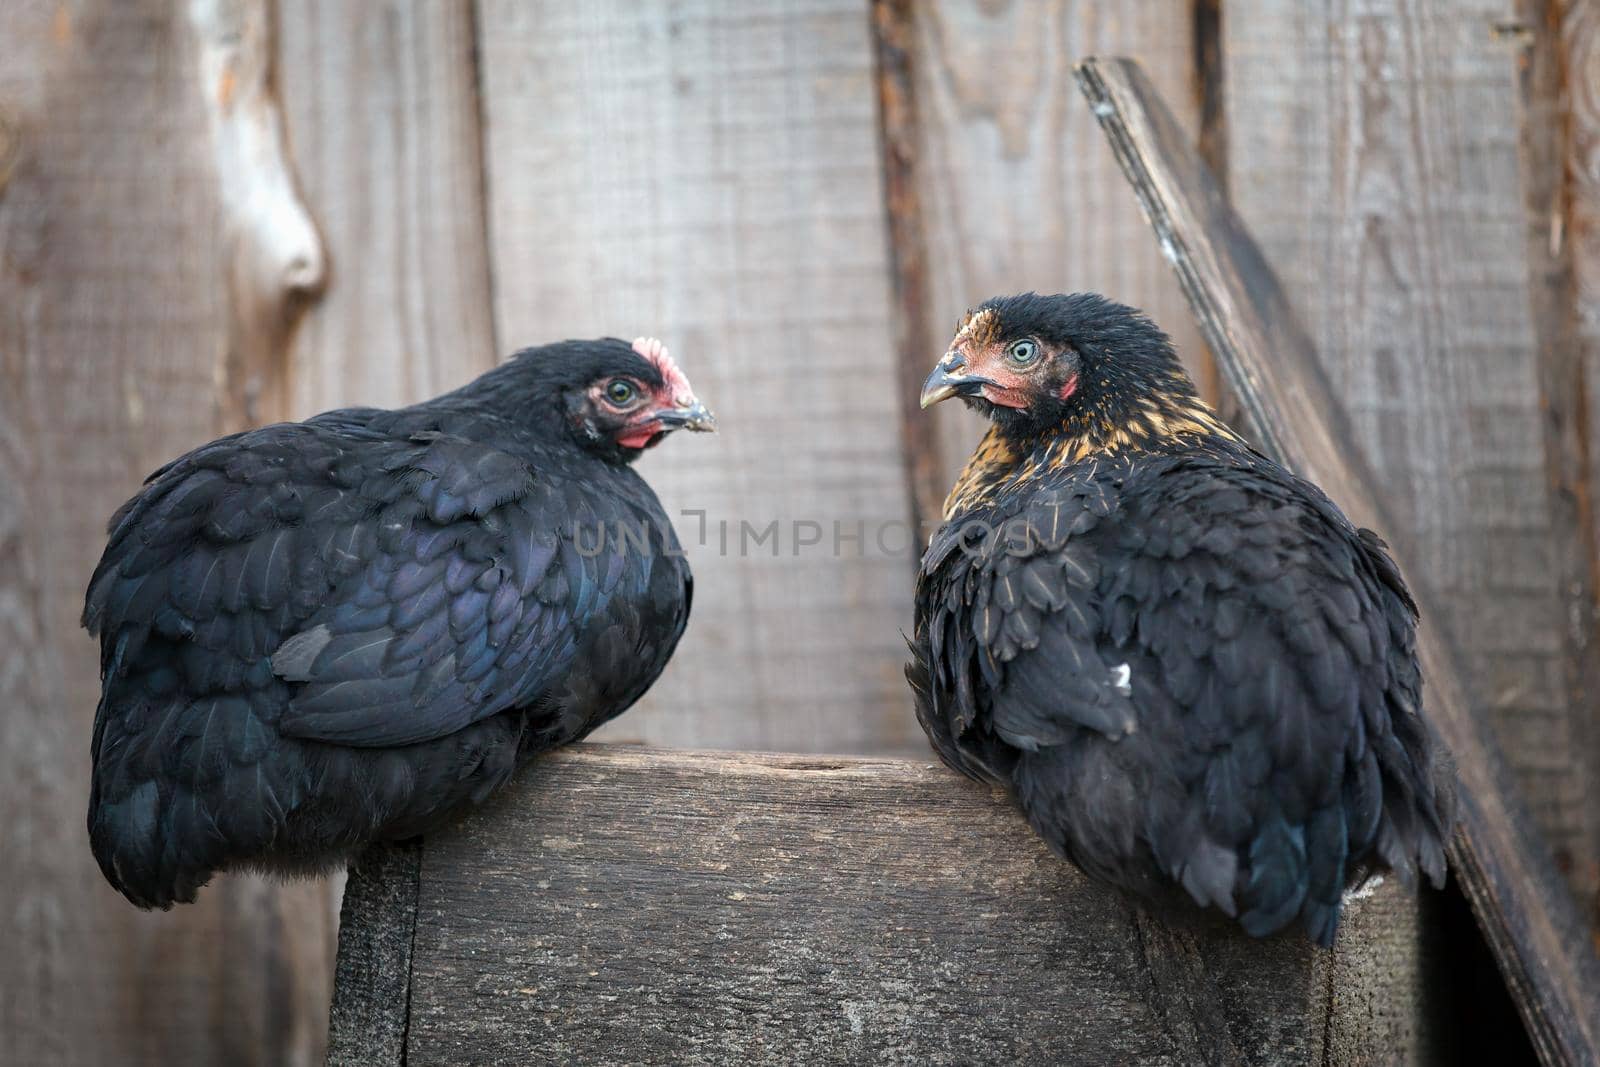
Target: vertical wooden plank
point(1017, 188)
point(893, 38)
point(1556, 130)
point(1373, 152)
point(141, 295)
point(1580, 63)
point(708, 173)
point(381, 105)
point(1577, 378)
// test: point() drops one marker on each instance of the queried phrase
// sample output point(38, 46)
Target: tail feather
point(1278, 879)
point(146, 846)
point(168, 808)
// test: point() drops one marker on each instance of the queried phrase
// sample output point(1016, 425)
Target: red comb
point(652, 349)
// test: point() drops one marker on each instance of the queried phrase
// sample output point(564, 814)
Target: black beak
point(696, 416)
point(945, 381)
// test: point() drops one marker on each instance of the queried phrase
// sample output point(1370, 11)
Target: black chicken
point(1185, 663)
point(318, 634)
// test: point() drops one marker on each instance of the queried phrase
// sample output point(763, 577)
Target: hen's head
point(1077, 364)
point(614, 398)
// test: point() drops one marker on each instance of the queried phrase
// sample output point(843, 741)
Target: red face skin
point(643, 428)
point(1014, 387)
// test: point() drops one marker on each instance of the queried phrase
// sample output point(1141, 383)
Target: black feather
point(322, 633)
point(1193, 671)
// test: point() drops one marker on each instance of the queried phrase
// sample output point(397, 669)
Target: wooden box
point(624, 905)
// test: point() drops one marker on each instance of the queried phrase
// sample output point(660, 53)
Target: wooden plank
point(1296, 415)
point(1000, 184)
point(1374, 154)
point(10, 147)
point(708, 172)
point(1580, 62)
point(1562, 94)
point(381, 107)
point(128, 267)
point(1549, 36)
point(632, 906)
point(899, 130)
point(372, 990)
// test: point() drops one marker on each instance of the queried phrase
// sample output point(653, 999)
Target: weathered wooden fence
point(229, 211)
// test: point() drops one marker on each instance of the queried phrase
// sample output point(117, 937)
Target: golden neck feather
point(998, 462)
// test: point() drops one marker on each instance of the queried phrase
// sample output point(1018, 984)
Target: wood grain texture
point(708, 172)
point(1579, 27)
point(1548, 33)
point(1499, 858)
point(1017, 189)
point(382, 113)
point(1374, 153)
point(10, 146)
point(119, 307)
point(626, 905)
point(377, 924)
point(900, 134)
point(272, 255)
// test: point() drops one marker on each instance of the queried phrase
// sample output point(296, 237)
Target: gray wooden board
point(618, 904)
point(1580, 31)
point(1560, 78)
point(1502, 862)
point(709, 173)
point(1580, 230)
point(122, 225)
point(381, 105)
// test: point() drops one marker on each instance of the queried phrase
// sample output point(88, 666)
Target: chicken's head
point(622, 398)
point(1075, 362)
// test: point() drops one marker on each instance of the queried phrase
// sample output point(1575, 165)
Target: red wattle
point(638, 438)
point(1002, 396)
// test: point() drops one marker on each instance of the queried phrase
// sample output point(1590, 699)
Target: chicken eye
point(1024, 353)
point(620, 392)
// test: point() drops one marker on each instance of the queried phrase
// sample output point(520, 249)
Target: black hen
point(318, 634)
point(1186, 664)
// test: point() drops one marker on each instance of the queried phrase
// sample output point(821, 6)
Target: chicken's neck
point(994, 461)
point(1150, 424)
point(1156, 421)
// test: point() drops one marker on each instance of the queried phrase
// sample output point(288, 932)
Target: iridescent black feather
point(319, 634)
point(1197, 677)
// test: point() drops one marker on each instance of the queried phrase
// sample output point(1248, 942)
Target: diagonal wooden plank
point(1268, 359)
